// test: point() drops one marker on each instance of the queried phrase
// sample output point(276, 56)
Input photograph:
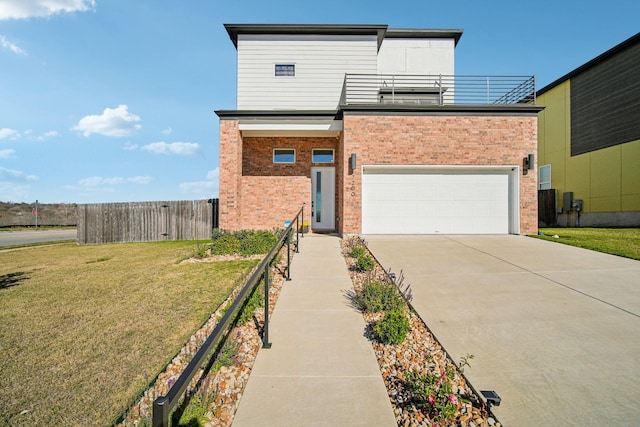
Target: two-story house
point(373, 131)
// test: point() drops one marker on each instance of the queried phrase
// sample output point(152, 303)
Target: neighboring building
point(373, 131)
point(589, 139)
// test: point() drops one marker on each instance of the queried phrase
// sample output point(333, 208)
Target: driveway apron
point(554, 329)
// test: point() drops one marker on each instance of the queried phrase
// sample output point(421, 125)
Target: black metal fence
point(163, 405)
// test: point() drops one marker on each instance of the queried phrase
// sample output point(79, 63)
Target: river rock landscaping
point(425, 386)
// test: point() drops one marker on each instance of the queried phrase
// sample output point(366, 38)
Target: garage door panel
point(428, 202)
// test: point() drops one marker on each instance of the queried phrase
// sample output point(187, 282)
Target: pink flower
point(431, 400)
point(453, 399)
point(439, 381)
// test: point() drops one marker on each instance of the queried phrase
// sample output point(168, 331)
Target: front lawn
point(616, 241)
point(85, 329)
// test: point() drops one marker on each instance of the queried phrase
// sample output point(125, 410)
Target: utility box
point(567, 201)
point(576, 205)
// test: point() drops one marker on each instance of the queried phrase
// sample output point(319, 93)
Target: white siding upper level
point(321, 62)
point(323, 54)
point(416, 56)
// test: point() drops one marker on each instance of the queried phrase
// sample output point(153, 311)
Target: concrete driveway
point(555, 330)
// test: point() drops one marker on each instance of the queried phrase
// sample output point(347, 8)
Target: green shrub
point(259, 242)
point(392, 328)
point(364, 263)
point(378, 296)
point(225, 244)
point(243, 242)
point(357, 252)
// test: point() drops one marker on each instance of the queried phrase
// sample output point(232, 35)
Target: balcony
point(428, 90)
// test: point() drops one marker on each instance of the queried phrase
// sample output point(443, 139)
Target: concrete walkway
point(555, 329)
point(321, 370)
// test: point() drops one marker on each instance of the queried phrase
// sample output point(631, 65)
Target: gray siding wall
point(320, 61)
point(605, 103)
point(416, 56)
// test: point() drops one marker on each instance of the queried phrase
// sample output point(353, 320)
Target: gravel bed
point(420, 352)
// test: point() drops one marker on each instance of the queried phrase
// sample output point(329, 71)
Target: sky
point(114, 100)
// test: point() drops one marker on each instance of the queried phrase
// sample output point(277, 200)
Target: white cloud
point(9, 192)
point(115, 122)
point(182, 148)
point(98, 181)
point(24, 9)
point(167, 131)
point(5, 154)
point(6, 44)
point(6, 133)
point(10, 174)
point(203, 189)
point(44, 136)
point(130, 147)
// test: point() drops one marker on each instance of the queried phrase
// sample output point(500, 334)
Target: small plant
point(195, 412)
point(435, 391)
point(256, 300)
point(378, 296)
point(201, 251)
point(226, 354)
point(364, 263)
point(392, 328)
point(357, 252)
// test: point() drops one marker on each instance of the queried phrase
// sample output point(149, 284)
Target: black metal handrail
point(163, 405)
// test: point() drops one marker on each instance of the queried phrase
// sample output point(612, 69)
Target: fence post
point(265, 334)
point(303, 220)
point(160, 412)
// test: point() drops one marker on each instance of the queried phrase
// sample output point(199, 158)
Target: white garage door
point(435, 202)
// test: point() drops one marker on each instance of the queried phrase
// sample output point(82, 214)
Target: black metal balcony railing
point(437, 89)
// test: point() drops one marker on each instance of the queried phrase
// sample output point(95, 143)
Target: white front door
point(323, 198)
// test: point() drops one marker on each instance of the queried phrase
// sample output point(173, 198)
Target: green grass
point(624, 242)
point(84, 329)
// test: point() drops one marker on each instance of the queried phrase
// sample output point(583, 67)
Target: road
point(11, 238)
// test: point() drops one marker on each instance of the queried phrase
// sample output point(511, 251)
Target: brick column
point(230, 174)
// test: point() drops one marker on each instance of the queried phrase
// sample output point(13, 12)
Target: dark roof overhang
point(598, 59)
point(313, 29)
point(424, 33)
point(279, 114)
point(442, 110)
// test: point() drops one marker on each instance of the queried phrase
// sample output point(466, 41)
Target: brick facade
point(255, 193)
point(439, 140)
point(267, 193)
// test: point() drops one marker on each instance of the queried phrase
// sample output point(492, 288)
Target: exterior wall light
point(527, 163)
point(352, 162)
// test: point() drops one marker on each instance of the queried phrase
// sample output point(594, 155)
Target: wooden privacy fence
point(547, 208)
point(147, 221)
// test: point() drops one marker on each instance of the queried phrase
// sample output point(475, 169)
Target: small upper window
point(322, 155)
point(285, 70)
point(284, 155)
